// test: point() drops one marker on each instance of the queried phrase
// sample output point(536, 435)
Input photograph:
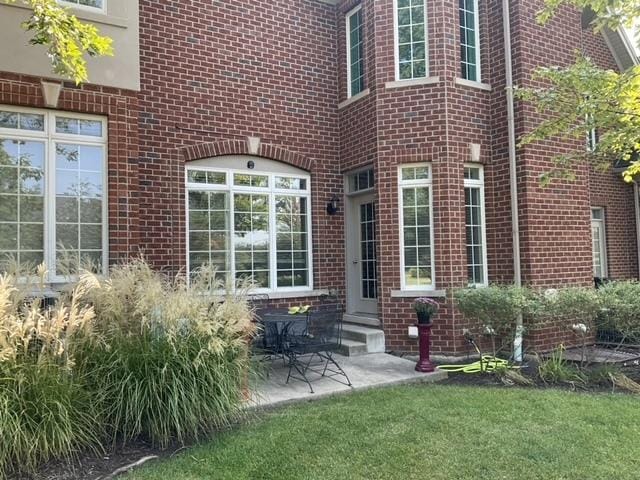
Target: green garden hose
point(487, 363)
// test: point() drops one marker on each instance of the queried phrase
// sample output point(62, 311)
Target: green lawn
point(427, 432)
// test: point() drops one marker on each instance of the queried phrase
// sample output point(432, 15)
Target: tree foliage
point(583, 97)
point(67, 39)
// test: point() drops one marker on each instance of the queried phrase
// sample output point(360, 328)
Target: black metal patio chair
point(322, 338)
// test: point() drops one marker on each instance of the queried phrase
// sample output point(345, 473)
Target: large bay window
point(416, 227)
point(411, 39)
point(475, 226)
point(253, 226)
point(52, 191)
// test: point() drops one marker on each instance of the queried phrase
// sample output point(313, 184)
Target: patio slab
point(367, 371)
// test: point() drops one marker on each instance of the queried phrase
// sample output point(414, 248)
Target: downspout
point(513, 179)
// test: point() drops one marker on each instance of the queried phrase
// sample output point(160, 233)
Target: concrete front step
point(352, 348)
point(372, 337)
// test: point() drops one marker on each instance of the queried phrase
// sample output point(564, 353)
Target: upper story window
point(416, 227)
point(97, 4)
point(52, 191)
point(475, 225)
point(355, 52)
point(470, 40)
point(411, 39)
point(250, 225)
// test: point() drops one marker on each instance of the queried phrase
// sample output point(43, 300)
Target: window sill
point(295, 294)
point(354, 99)
point(470, 83)
point(418, 293)
point(412, 83)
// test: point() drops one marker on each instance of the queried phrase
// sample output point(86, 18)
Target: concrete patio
point(366, 371)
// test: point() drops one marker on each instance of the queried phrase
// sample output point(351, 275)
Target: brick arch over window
point(241, 147)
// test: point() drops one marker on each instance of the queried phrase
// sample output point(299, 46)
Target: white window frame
point(49, 137)
point(479, 184)
point(396, 45)
point(416, 183)
point(347, 181)
point(88, 8)
point(347, 24)
point(476, 7)
point(602, 240)
point(272, 192)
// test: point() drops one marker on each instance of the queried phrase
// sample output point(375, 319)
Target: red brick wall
point(121, 109)
point(220, 71)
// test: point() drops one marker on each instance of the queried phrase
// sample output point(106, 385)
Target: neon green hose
point(488, 363)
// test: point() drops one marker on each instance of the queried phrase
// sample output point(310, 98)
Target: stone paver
point(367, 371)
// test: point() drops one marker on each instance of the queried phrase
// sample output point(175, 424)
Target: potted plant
point(425, 308)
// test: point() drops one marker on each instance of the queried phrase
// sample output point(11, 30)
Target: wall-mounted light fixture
point(251, 165)
point(332, 206)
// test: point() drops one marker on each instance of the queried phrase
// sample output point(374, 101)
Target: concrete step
point(373, 338)
point(361, 319)
point(352, 348)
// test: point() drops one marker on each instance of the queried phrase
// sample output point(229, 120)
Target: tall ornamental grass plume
point(45, 410)
point(176, 354)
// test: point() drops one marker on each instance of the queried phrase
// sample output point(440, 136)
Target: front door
point(362, 266)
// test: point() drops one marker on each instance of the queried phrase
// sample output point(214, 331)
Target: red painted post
point(424, 364)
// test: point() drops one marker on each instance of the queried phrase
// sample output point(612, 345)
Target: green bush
point(556, 370)
point(45, 409)
point(176, 357)
point(620, 308)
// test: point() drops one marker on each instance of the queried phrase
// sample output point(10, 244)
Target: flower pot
point(424, 318)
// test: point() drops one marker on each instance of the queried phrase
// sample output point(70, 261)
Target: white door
point(362, 265)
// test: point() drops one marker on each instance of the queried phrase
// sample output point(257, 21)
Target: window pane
point(209, 232)
point(469, 55)
point(291, 241)
point(22, 201)
point(23, 121)
point(75, 126)
point(78, 204)
point(356, 53)
point(417, 233)
point(411, 39)
point(474, 235)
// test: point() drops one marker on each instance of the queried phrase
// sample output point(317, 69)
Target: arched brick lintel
point(241, 147)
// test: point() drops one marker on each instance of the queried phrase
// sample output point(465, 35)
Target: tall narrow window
point(411, 39)
point(599, 243)
point(52, 191)
point(250, 226)
point(355, 52)
point(475, 226)
point(416, 227)
point(469, 40)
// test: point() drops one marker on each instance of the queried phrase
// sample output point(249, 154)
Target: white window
point(416, 227)
point(52, 191)
point(411, 39)
point(599, 243)
point(89, 4)
point(355, 51)
point(470, 40)
point(592, 140)
point(360, 181)
point(251, 225)
point(475, 225)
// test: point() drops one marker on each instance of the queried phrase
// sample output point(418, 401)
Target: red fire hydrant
point(424, 364)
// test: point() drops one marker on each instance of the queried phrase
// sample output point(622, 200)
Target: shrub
point(556, 370)
point(495, 308)
point(45, 410)
point(176, 357)
point(620, 303)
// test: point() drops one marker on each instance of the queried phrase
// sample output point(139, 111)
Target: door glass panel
point(368, 260)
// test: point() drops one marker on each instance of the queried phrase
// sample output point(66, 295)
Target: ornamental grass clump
point(45, 410)
point(176, 355)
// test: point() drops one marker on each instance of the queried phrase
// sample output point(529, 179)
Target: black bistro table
point(280, 328)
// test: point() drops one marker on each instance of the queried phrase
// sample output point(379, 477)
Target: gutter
point(513, 178)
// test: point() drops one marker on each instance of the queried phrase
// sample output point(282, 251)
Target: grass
point(418, 432)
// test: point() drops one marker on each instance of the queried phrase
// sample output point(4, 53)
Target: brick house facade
point(262, 96)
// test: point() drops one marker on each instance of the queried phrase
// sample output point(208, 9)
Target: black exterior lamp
point(332, 206)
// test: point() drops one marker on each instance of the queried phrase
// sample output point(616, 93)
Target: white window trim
point(396, 49)
point(603, 240)
point(478, 80)
point(416, 183)
point(347, 186)
point(347, 24)
point(88, 8)
point(50, 138)
point(271, 191)
point(469, 183)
